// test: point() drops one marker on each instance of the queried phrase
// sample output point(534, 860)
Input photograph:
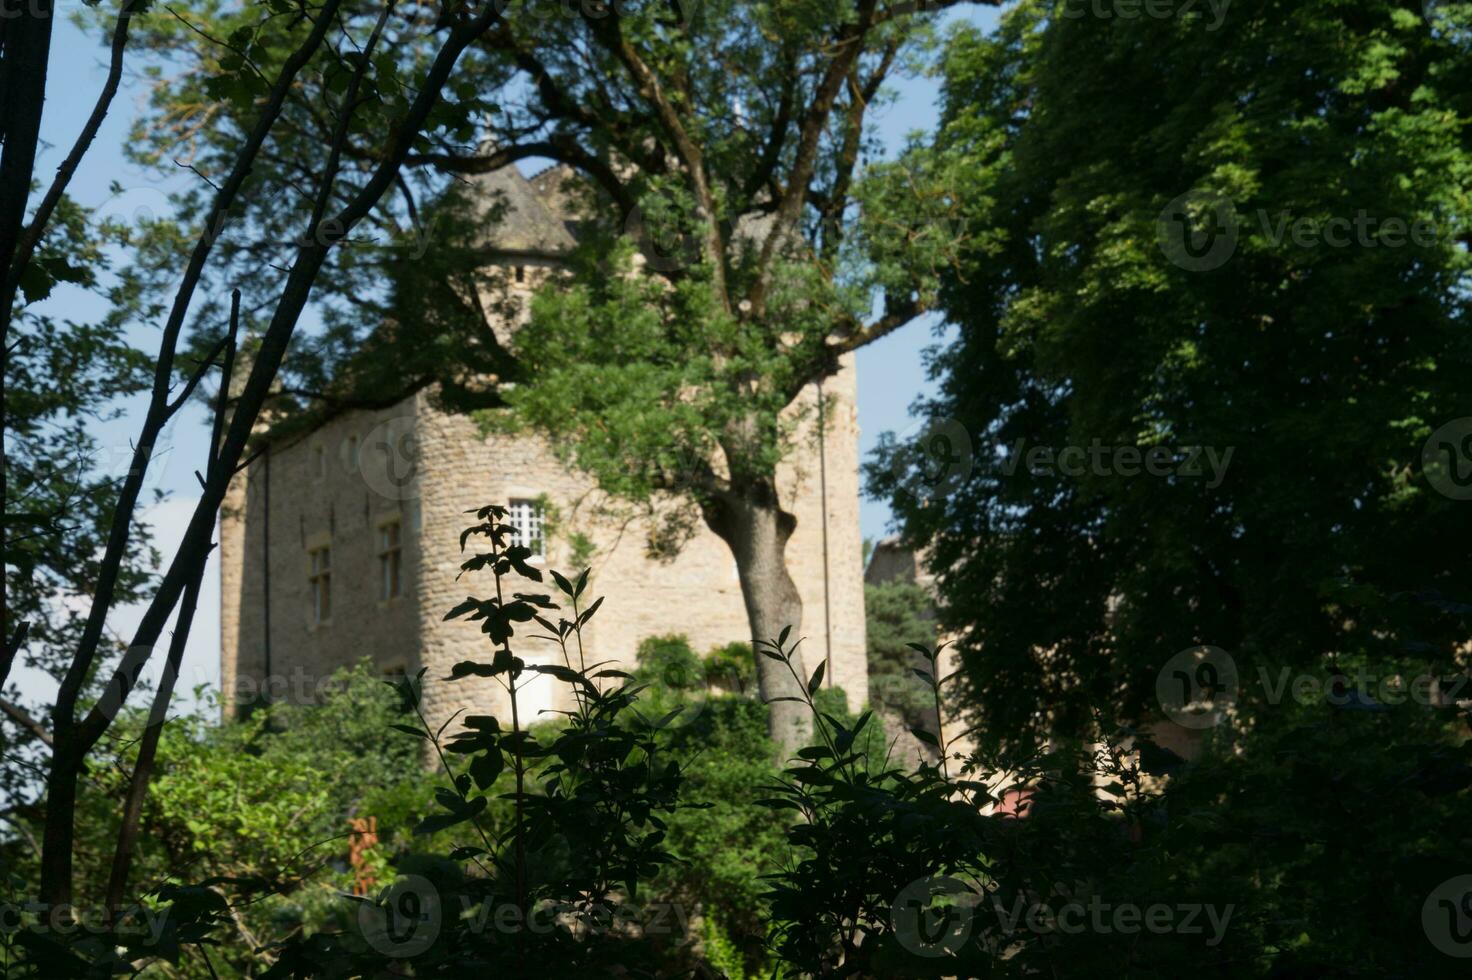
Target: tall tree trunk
point(25, 45)
point(752, 522)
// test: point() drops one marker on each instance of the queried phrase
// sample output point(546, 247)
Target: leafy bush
point(554, 890)
point(897, 615)
point(669, 662)
point(247, 806)
point(731, 666)
point(1305, 844)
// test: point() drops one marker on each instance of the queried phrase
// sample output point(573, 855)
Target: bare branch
point(20, 716)
point(157, 416)
point(42, 216)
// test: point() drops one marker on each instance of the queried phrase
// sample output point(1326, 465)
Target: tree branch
point(849, 45)
point(19, 715)
point(609, 30)
point(42, 216)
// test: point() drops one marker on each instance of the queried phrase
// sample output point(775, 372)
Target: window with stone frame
point(320, 577)
point(390, 561)
point(529, 518)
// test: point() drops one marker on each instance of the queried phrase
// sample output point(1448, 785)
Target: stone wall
point(425, 468)
point(320, 493)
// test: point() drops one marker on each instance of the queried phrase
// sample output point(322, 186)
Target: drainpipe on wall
point(823, 502)
point(266, 577)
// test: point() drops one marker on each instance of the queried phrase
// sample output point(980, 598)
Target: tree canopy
point(1166, 266)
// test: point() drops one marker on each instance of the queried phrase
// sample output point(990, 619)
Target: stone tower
point(343, 543)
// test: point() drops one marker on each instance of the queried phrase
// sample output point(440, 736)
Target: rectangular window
point(319, 458)
point(321, 579)
point(528, 518)
point(389, 560)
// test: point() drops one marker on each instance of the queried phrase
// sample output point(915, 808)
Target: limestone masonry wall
point(424, 468)
point(320, 495)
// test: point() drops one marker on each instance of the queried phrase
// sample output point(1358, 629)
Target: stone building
point(343, 543)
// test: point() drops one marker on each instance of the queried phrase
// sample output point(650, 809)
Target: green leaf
point(816, 679)
point(443, 821)
point(587, 614)
point(484, 768)
point(35, 284)
point(468, 605)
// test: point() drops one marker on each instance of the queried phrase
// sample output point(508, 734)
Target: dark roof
point(520, 222)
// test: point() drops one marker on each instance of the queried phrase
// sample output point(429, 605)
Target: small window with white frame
point(390, 561)
point(320, 577)
point(528, 517)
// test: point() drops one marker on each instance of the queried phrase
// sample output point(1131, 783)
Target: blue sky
point(891, 371)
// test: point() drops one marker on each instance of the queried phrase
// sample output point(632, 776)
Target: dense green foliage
point(247, 805)
point(64, 380)
point(1283, 320)
point(1259, 464)
point(898, 614)
point(1322, 368)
